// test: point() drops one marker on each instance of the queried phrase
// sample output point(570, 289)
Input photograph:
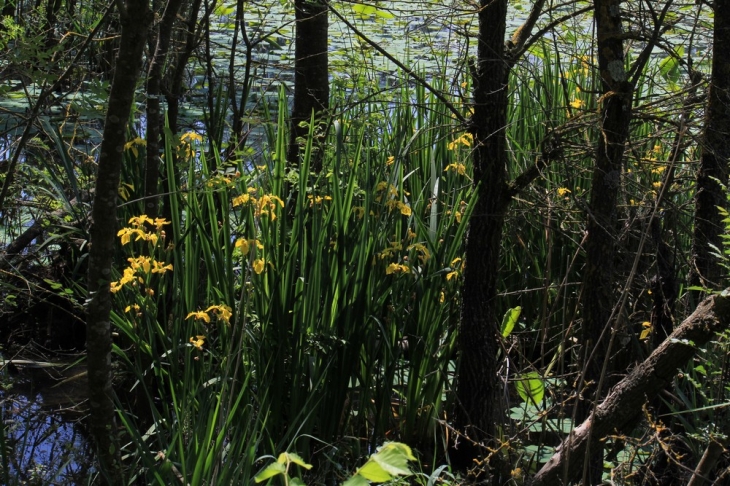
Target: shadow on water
point(43, 438)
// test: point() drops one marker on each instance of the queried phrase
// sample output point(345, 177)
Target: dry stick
point(37, 107)
point(623, 404)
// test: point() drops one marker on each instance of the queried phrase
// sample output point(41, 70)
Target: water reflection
point(45, 442)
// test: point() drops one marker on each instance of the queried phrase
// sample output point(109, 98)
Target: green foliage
point(317, 312)
point(723, 254)
point(531, 388)
point(389, 462)
point(510, 319)
point(284, 298)
point(281, 467)
point(364, 12)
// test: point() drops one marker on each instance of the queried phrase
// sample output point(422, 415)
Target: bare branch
point(402, 66)
point(522, 33)
point(624, 403)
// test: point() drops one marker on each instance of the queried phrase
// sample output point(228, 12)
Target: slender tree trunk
point(703, 472)
point(598, 281)
point(664, 284)
point(154, 115)
point(705, 269)
point(237, 139)
point(135, 19)
point(664, 288)
point(52, 9)
point(173, 89)
point(311, 74)
point(214, 125)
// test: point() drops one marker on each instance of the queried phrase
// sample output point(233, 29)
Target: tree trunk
point(477, 409)
point(702, 473)
point(598, 296)
point(705, 269)
point(8, 10)
point(51, 19)
point(173, 86)
point(478, 330)
point(161, 45)
point(135, 19)
point(311, 75)
point(618, 413)
point(238, 135)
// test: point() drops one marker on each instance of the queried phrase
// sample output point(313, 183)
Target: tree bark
point(8, 10)
point(173, 86)
point(598, 296)
point(603, 216)
point(706, 270)
point(476, 387)
point(477, 410)
point(160, 46)
point(311, 75)
point(623, 405)
point(136, 18)
point(664, 288)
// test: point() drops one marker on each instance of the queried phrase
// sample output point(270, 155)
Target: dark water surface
point(43, 436)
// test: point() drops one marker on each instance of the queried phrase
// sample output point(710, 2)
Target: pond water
point(44, 440)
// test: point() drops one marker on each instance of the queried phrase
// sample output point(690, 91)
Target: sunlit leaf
point(510, 320)
point(390, 461)
point(531, 387)
point(273, 469)
point(296, 459)
point(356, 480)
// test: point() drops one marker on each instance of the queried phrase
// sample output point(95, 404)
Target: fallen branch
point(39, 226)
point(617, 413)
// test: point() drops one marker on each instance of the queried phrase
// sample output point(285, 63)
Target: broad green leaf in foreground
point(390, 461)
point(273, 469)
